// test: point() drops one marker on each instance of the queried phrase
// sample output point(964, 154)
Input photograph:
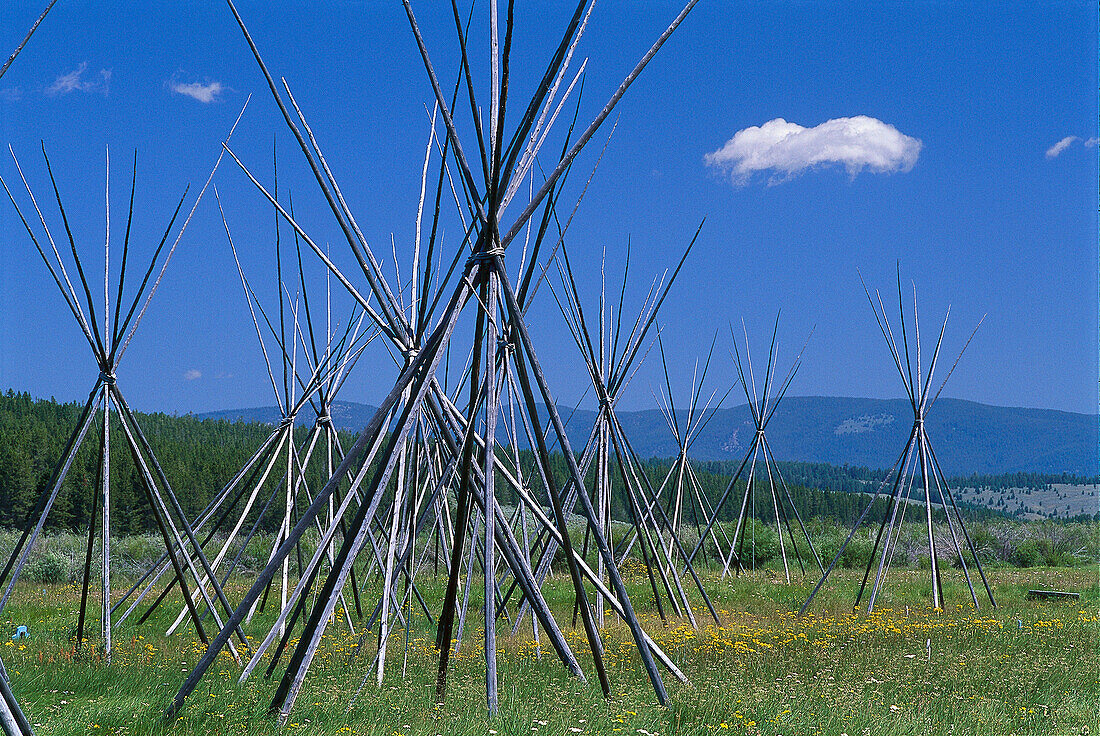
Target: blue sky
point(956, 173)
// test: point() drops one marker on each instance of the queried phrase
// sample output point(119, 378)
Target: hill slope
point(969, 437)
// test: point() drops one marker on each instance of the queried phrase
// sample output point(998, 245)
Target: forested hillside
point(200, 455)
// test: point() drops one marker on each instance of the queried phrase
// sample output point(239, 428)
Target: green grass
point(1024, 668)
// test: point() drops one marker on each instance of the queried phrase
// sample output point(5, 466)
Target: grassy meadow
point(1026, 667)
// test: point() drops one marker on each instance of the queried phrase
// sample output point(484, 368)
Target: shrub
point(48, 567)
point(857, 552)
point(1029, 553)
point(133, 554)
point(761, 543)
point(984, 541)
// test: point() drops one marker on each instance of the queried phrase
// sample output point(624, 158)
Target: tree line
point(859, 478)
point(199, 456)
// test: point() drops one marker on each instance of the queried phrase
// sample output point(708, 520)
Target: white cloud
point(1061, 145)
point(68, 82)
point(204, 93)
point(788, 149)
point(192, 374)
point(1092, 142)
point(74, 81)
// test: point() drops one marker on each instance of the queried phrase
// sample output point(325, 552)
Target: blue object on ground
point(21, 633)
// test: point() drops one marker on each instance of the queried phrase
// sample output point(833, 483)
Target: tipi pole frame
point(917, 386)
point(450, 315)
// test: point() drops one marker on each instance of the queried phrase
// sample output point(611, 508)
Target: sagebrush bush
point(761, 543)
point(49, 567)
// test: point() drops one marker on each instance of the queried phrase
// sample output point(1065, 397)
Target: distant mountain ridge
point(968, 437)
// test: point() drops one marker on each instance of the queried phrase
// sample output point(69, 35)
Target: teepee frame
point(762, 405)
point(108, 341)
point(918, 456)
point(681, 484)
point(500, 338)
point(610, 370)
